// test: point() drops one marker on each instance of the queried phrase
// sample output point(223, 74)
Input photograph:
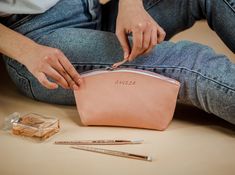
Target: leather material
point(127, 97)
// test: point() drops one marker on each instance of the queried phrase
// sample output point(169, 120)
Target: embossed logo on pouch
point(125, 82)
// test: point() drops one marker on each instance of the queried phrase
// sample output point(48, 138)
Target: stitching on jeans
point(21, 21)
point(150, 3)
point(162, 67)
point(230, 4)
point(30, 86)
point(198, 73)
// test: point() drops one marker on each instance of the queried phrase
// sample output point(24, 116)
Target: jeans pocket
point(94, 10)
point(16, 20)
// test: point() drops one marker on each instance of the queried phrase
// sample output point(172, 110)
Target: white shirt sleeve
point(26, 6)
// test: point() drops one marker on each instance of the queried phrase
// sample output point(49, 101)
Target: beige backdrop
point(195, 143)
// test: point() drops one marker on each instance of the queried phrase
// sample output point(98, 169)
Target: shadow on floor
point(198, 117)
point(183, 113)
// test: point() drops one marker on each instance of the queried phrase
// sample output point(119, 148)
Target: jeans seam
point(198, 73)
point(21, 21)
point(151, 3)
point(163, 67)
point(230, 5)
point(20, 75)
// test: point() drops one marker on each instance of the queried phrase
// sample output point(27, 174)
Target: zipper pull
point(116, 65)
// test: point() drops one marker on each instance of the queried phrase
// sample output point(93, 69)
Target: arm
point(41, 61)
point(133, 18)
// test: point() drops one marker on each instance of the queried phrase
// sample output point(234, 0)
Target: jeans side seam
point(198, 73)
point(166, 67)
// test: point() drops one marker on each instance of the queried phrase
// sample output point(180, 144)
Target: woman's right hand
point(42, 61)
point(46, 62)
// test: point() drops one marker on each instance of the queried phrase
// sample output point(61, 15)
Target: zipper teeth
point(142, 72)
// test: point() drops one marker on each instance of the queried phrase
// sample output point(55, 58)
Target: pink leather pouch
point(126, 97)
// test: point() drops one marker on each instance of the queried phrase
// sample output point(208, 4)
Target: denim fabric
point(177, 15)
point(207, 79)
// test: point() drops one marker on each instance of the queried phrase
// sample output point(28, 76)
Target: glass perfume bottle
point(32, 125)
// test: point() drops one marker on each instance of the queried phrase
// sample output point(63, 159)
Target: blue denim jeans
point(207, 79)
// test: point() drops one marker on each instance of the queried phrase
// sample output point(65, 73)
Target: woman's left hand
point(133, 18)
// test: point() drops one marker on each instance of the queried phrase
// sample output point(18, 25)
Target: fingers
point(123, 39)
point(45, 82)
point(161, 34)
point(72, 76)
point(150, 38)
point(137, 48)
point(52, 73)
point(153, 41)
point(60, 70)
point(147, 40)
point(58, 74)
point(70, 83)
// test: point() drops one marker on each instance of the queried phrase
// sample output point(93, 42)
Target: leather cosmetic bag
point(126, 97)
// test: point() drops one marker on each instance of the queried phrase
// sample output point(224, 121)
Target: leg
point(177, 15)
point(65, 14)
point(207, 79)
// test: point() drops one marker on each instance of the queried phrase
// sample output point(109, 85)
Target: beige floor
point(195, 143)
point(201, 33)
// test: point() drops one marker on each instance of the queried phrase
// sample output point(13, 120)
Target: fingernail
point(126, 55)
point(80, 81)
point(75, 87)
point(55, 86)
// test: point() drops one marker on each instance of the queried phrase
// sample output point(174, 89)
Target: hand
point(45, 62)
point(132, 18)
